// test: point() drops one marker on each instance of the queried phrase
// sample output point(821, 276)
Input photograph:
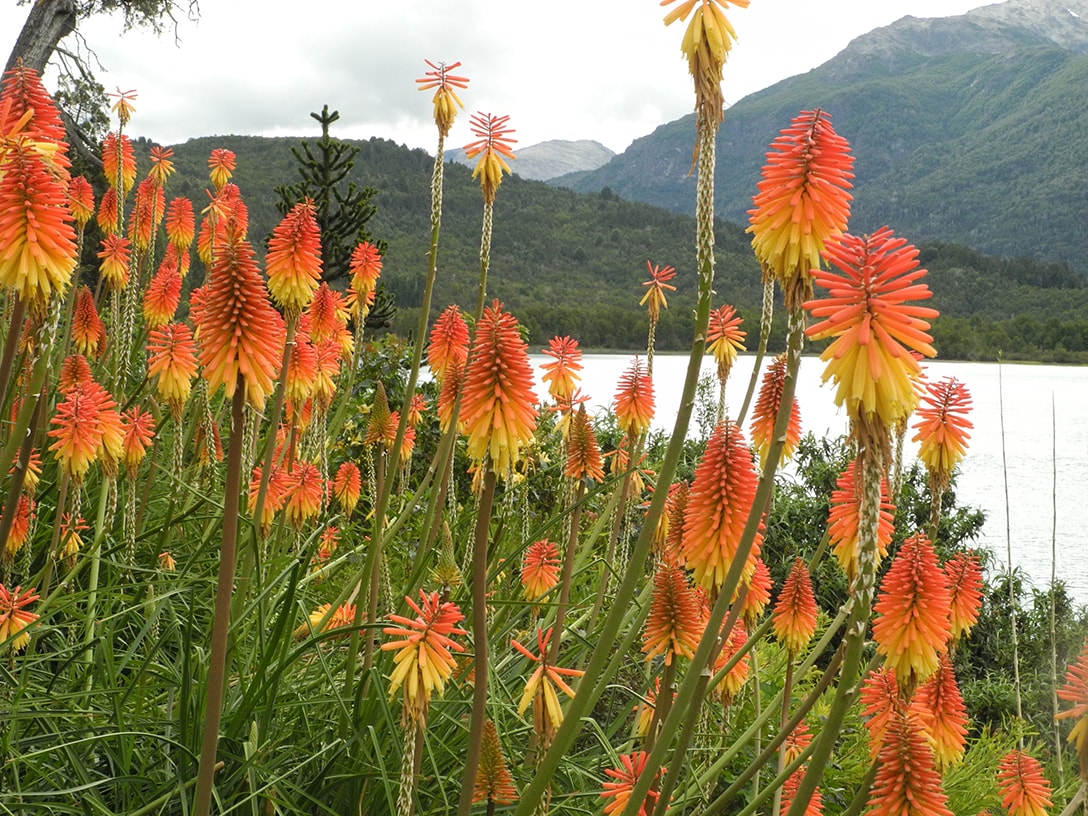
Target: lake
point(1047, 479)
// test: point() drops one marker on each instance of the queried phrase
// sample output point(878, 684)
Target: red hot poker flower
point(942, 428)
point(724, 339)
point(88, 332)
point(220, 167)
point(794, 617)
point(446, 101)
point(802, 202)
point(618, 793)
point(583, 452)
point(561, 374)
point(115, 255)
point(448, 348)
point(347, 486)
point(964, 573)
point(173, 361)
point(635, 400)
point(913, 624)
point(14, 617)
point(81, 200)
point(1075, 691)
point(541, 685)
point(119, 162)
point(162, 296)
point(842, 520)
point(498, 400)
point(493, 143)
point(180, 224)
point(939, 704)
point(875, 328)
point(1024, 789)
point(540, 569)
point(294, 258)
point(907, 781)
point(493, 780)
point(676, 621)
point(162, 166)
point(765, 412)
point(654, 299)
point(365, 268)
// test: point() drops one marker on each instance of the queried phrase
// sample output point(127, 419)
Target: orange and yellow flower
point(907, 781)
point(498, 400)
point(139, 428)
point(365, 267)
point(162, 166)
point(634, 400)
point(583, 452)
point(328, 317)
point(939, 704)
point(724, 338)
point(618, 793)
point(88, 428)
point(172, 359)
point(448, 348)
point(180, 226)
point(27, 110)
point(115, 255)
point(162, 296)
point(802, 203)
point(293, 261)
point(241, 336)
point(540, 688)
point(913, 625)
point(964, 573)
point(74, 370)
point(88, 332)
point(220, 167)
point(492, 144)
point(736, 677)
point(304, 490)
point(423, 662)
point(446, 101)
point(347, 486)
point(540, 569)
point(942, 428)
point(794, 617)
point(654, 299)
point(880, 700)
point(15, 619)
point(123, 107)
point(758, 595)
point(718, 505)
point(1024, 789)
point(676, 621)
point(81, 200)
point(561, 374)
point(20, 528)
point(1075, 691)
point(765, 413)
point(874, 327)
point(147, 213)
point(119, 162)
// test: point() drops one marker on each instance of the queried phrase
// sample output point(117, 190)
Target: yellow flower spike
point(492, 144)
point(445, 97)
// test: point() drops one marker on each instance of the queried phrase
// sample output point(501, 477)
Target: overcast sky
point(562, 69)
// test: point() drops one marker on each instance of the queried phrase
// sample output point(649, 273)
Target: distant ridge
point(970, 129)
point(551, 159)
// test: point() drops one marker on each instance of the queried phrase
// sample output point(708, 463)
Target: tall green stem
point(217, 662)
point(479, 641)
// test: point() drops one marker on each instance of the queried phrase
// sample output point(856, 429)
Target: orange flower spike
point(123, 107)
point(365, 267)
point(33, 472)
point(1024, 789)
point(301, 372)
point(724, 338)
point(797, 741)
point(802, 203)
point(139, 427)
point(81, 200)
point(842, 520)
point(162, 296)
point(27, 109)
point(618, 793)
point(718, 504)
point(492, 145)
point(1075, 691)
point(942, 427)
point(241, 335)
point(107, 216)
point(341, 618)
point(964, 573)
point(37, 240)
point(180, 224)
point(907, 781)
point(74, 371)
point(561, 374)
point(635, 400)
point(541, 685)
point(493, 780)
point(758, 595)
point(173, 361)
point(347, 486)
point(15, 619)
point(79, 431)
point(449, 343)
point(654, 299)
point(540, 569)
point(326, 314)
point(119, 162)
point(794, 618)
point(498, 399)
point(162, 165)
point(446, 101)
point(913, 624)
point(71, 538)
point(20, 528)
point(583, 452)
point(879, 703)
point(294, 258)
point(423, 662)
point(676, 621)
point(88, 332)
point(147, 213)
point(221, 164)
point(275, 496)
point(815, 806)
point(450, 385)
point(939, 704)
point(706, 44)
point(115, 255)
point(874, 328)
point(416, 409)
point(765, 412)
point(304, 490)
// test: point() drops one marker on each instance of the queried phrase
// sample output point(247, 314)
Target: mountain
point(970, 129)
point(549, 160)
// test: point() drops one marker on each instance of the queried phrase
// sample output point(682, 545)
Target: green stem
point(217, 662)
point(479, 641)
point(568, 572)
point(764, 335)
point(92, 580)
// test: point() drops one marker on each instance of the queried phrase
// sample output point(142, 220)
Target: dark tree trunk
point(48, 23)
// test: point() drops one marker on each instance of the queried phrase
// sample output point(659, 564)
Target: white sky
point(561, 69)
